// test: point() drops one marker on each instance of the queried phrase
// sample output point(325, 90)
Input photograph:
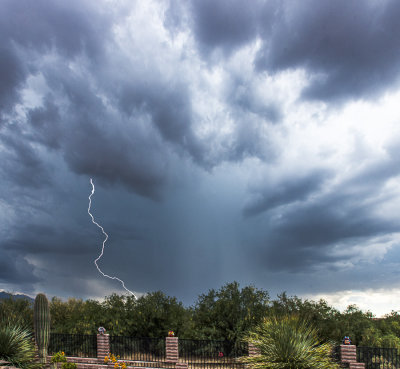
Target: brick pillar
point(103, 345)
point(348, 354)
point(253, 350)
point(172, 349)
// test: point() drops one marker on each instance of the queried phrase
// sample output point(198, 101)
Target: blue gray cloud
point(220, 137)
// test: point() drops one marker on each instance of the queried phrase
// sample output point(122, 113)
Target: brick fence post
point(103, 345)
point(172, 349)
point(348, 354)
point(253, 350)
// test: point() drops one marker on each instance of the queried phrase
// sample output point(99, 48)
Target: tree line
point(225, 314)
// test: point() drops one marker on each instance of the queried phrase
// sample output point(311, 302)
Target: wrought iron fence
point(378, 358)
point(198, 354)
point(138, 349)
point(335, 356)
point(206, 354)
point(81, 345)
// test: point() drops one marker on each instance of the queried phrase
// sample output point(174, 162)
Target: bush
point(288, 343)
point(59, 357)
point(17, 347)
point(68, 366)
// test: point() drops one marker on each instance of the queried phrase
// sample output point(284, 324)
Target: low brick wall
point(5, 367)
point(95, 363)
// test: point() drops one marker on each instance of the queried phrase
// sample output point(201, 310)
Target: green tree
point(288, 342)
point(229, 313)
point(75, 316)
point(18, 311)
point(155, 314)
point(384, 332)
point(353, 323)
point(318, 313)
point(115, 315)
point(92, 317)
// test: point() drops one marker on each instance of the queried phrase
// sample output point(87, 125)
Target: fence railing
point(198, 354)
point(138, 349)
point(206, 354)
point(378, 358)
point(81, 345)
point(335, 354)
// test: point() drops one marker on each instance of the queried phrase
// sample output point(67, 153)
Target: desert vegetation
point(228, 313)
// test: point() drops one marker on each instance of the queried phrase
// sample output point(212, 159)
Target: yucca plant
point(17, 346)
point(288, 342)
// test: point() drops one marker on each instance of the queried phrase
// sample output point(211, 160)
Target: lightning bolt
point(102, 249)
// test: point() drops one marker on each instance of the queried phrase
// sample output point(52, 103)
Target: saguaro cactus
point(41, 321)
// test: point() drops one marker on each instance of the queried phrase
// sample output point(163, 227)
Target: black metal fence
point(378, 358)
point(80, 345)
point(138, 349)
point(206, 354)
point(199, 354)
point(335, 354)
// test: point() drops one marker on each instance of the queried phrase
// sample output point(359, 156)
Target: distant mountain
point(5, 295)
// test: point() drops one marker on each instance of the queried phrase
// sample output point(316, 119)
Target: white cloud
point(379, 301)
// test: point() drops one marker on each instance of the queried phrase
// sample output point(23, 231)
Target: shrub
point(288, 343)
point(68, 366)
point(59, 357)
point(17, 347)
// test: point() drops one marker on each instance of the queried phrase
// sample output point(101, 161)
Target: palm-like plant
point(288, 343)
point(17, 347)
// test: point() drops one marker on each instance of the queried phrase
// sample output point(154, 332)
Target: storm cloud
point(226, 142)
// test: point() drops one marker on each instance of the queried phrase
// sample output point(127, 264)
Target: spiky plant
point(41, 322)
point(288, 343)
point(17, 347)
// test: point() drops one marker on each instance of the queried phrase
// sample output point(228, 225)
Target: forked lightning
point(102, 249)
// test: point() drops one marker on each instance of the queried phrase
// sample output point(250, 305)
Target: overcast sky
point(226, 141)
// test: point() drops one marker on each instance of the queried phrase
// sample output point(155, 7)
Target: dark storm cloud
point(29, 29)
point(74, 119)
point(14, 269)
point(133, 162)
point(170, 108)
point(302, 238)
point(39, 239)
point(20, 163)
point(224, 24)
point(142, 257)
point(348, 49)
point(45, 122)
point(287, 191)
point(62, 252)
point(43, 25)
point(85, 93)
point(12, 73)
point(106, 145)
